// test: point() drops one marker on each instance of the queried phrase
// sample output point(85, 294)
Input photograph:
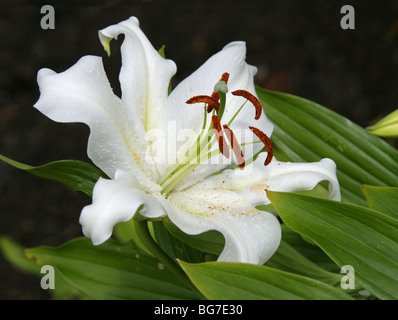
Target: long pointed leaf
point(286, 258)
point(306, 131)
point(239, 281)
point(351, 235)
point(383, 199)
point(78, 175)
point(111, 271)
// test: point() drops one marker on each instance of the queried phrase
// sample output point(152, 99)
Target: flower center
point(200, 152)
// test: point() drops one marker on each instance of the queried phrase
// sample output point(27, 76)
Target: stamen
point(219, 136)
point(235, 146)
point(252, 99)
point(267, 143)
point(211, 101)
point(216, 97)
point(225, 77)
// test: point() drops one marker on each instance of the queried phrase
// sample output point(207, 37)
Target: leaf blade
point(111, 271)
point(78, 175)
point(350, 235)
point(239, 281)
point(306, 131)
point(286, 258)
point(383, 199)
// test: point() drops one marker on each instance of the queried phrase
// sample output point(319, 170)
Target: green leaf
point(175, 248)
point(309, 250)
point(14, 254)
point(78, 175)
point(239, 281)
point(305, 132)
point(351, 235)
point(111, 271)
point(383, 199)
point(125, 232)
point(286, 258)
point(210, 242)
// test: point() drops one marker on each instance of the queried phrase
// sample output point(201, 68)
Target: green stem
point(237, 112)
point(189, 156)
point(141, 227)
point(177, 177)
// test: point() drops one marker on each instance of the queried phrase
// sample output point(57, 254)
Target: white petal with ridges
point(83, 94)
point(116, 201)
point(251, 236)
point(145, 75)
point(118, 145)
point(230, 59)
point(253, 182)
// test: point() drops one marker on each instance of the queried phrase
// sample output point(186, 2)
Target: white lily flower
point(200, 190)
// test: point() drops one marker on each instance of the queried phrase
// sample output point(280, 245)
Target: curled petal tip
point(105, 41)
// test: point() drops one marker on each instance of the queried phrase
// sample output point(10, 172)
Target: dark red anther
point(215, 96)
point(210, 107)
point(219, 136)
point(252, 99)
point(225, 77)
point(267, 143)
point(235, 146)
point(210, 100)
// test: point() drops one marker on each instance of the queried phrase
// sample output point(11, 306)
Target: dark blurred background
point(298, 47)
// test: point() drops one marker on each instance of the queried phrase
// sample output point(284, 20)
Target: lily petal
point(253, 182)
point(230, 59)
point(145, 75)
point(251, 236)
point(83, 94)
point(116, 201)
